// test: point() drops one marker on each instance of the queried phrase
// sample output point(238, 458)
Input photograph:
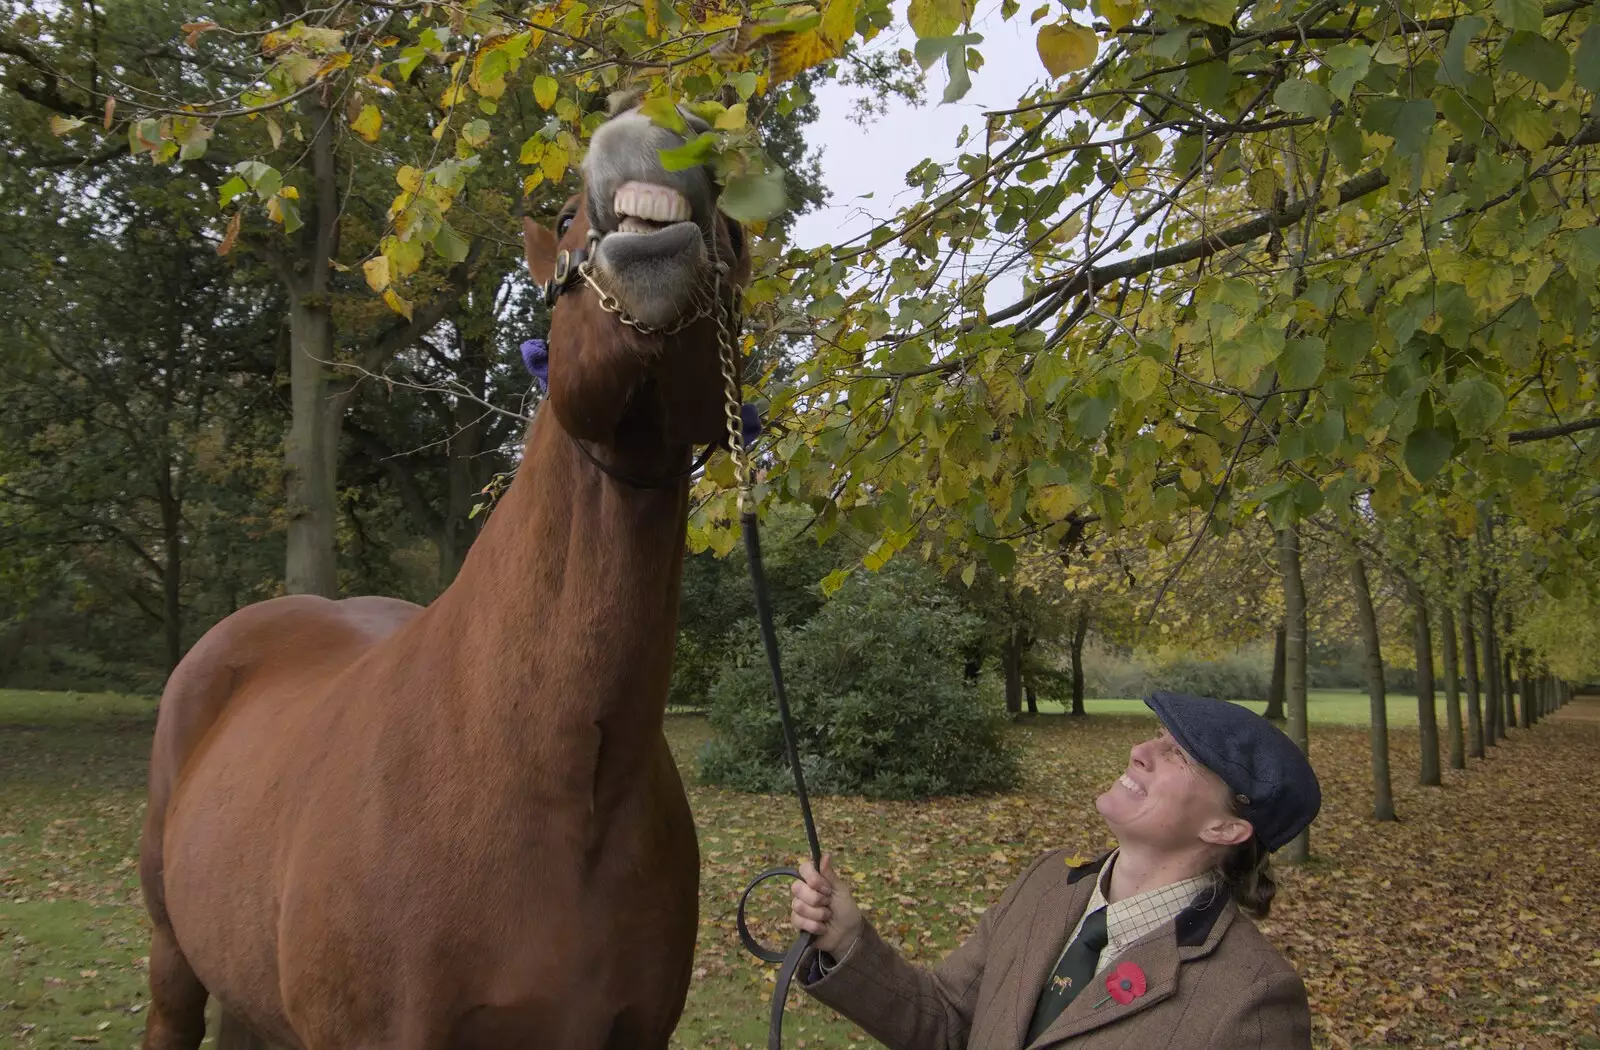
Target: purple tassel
point(536, 358)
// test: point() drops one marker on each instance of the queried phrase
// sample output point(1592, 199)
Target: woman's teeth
point(1126, 782)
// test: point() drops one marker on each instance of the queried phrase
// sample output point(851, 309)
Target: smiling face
point(1167, 802)
point(669, 261)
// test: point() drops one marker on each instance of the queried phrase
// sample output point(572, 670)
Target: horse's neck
point(565, 610)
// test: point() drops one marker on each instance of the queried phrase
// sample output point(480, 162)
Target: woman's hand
point(821, 904)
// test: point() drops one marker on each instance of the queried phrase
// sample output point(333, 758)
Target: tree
point(1294, 596)
point(1378, 731)
point(1427, 722)
point(1469, 651)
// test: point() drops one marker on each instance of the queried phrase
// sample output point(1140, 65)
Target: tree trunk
point(1469, 652)
point(311, 450)
point(1509, 686)
point(1378, 732)
point(1030, 697)
point(1294, 600)
point(1013, 658)
point(1527, 690)
point(1492, 730)
point(1080, 629)
point(1275, 710)
point(1452, 690)
point(1427, 717)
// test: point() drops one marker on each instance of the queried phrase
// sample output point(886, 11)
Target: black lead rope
point(791, 959)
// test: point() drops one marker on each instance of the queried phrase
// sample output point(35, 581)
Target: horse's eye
point(563, 225)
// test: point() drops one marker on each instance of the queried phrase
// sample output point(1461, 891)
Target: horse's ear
point(539, 244)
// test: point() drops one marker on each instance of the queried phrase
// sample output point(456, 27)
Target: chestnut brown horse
point(373, 825)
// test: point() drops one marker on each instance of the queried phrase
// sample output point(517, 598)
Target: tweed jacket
point(1213, 982)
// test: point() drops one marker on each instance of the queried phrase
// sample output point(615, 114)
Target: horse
point(376, 825)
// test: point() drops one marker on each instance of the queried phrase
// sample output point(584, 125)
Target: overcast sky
point(873, 159)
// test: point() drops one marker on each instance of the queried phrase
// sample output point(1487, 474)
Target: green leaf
point(833, 581)
point(475, 133)
point(1326, 433)
point(1303, 97)
point(1239, 361)
point(451, 246)
point(1528, 124)
point(754, 198)
point(691, 154)
point(1455, 49)
point(1344, 138)
point(1350, 62)
point(231, 189)
point(1066, 46)
point(409, 60)
point(1210, 82)
point(1001, 557)
point(1540, 60)
point(1526, 15)
point(1217, 12)
point(289, 210)
point(1408, 123)
point(1089, 415)
point(1476, 403)
point(1427, 451)
point(1301, 362)
point(1586, 64)
point(664, 113)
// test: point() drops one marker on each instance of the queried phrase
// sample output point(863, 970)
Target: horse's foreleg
point(177, 1016)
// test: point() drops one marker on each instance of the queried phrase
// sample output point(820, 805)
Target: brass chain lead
point(732, 389)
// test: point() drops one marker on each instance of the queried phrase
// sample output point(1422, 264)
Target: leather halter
point(570, 272)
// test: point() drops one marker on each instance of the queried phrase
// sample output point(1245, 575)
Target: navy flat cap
point(1252, 756)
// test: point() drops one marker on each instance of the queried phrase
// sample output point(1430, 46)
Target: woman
point(1141, 949)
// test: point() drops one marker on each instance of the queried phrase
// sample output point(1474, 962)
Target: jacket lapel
point(1160, 954)
point(1058, 911)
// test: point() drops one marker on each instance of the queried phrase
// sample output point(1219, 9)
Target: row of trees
point(1308, 292)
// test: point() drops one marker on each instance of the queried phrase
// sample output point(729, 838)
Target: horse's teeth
point(646, 201)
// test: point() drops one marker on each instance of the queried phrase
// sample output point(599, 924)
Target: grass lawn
point(1340, 707)
point(1464, 925)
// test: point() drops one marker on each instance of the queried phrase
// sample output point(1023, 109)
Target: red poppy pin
point(1124, 983)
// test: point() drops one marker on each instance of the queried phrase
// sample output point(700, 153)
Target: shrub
point(880, 704)
point(1242, 675)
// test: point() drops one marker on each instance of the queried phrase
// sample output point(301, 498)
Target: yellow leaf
point(838, 21)
point(652, 20)
point(554, 162)
point(333, 63)
point(274, 132)
point(409, 178)
point(452, 95)
point(376, 270)
point(397, 304)
point(64, 125)
point(1117, 14)
point(794, 53)
point(532, 182)
point(1067, 46)
point(368, 123)
point(936, 18)
point(733, 118)
point(545, 90)
point(290, 192)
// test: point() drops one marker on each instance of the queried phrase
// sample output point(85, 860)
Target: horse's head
point(641, 244)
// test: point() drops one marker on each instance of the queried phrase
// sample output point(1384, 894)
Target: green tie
point(1074, 970)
